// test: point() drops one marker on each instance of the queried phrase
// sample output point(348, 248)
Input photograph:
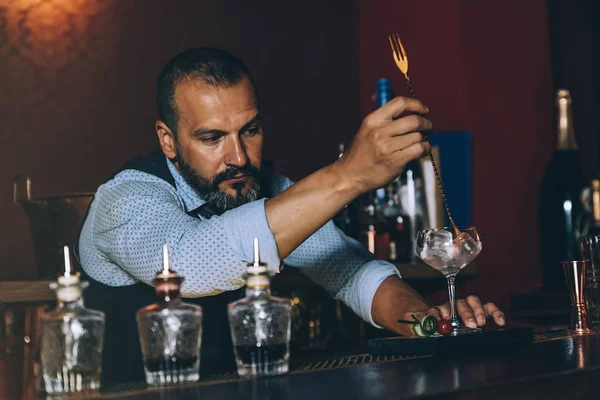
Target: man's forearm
point(303, 208)
point(384, 144)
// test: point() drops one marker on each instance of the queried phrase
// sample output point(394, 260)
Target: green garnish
point(426, 327)
point(429, 325)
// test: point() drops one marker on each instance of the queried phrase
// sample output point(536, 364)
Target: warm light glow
point(49, 33)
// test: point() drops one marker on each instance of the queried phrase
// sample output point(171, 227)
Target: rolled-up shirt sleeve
point(342, 266)
point(208, 253)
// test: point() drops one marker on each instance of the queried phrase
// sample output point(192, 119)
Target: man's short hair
point(211, 66)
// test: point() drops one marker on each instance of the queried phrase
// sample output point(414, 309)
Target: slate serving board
point(492, 340)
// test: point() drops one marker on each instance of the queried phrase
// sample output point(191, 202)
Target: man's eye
point(210, 139)
point(252, 131)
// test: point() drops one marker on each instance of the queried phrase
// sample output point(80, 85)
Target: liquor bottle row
point(391, 217)
point(386, 221)
point(170, 332)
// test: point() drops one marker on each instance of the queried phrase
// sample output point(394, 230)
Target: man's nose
point(236, 153)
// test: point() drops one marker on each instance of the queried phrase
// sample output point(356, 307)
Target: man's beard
point(208, 189)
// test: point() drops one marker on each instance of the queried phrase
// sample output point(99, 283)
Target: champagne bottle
point(561, 210)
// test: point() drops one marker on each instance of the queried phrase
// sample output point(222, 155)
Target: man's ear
point(166, 138)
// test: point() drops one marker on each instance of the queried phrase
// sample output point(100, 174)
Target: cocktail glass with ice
point(442, 250)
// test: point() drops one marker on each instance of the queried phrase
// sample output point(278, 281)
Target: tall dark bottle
point(561, 211)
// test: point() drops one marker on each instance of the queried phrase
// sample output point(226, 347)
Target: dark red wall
point(482, 67)
point(77, 95)
point(77, 87)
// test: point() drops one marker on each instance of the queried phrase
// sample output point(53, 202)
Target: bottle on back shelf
point(375, 234)
point(562, 215)
point(412, 200)
point(398, 226)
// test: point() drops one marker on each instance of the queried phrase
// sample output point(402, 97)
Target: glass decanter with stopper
point(72, 338)
point(260, 325)
point(170, 332)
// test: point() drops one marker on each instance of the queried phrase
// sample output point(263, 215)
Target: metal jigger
point(575, 275)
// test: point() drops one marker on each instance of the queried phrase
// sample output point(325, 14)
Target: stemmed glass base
point(457, 327)
point(460, 329)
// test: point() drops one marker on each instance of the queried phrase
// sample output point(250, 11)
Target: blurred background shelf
point(26, 292)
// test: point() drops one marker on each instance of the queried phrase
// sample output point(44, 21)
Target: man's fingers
point(466, 313)
point(436, 312)
point(407, 124)
point(444, 310)
point(397, 106)
point(415, 150)
point(400, 143)
point(478, 310)
point(493, 311)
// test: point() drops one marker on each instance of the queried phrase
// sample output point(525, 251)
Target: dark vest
point(122, 357)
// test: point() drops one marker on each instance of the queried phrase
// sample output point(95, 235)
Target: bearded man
point(206, 195)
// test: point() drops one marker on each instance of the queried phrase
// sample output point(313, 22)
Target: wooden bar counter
point(556, 366)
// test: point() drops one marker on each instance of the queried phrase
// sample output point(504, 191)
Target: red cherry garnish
point(444, 327)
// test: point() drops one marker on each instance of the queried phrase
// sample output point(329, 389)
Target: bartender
point(206, 195)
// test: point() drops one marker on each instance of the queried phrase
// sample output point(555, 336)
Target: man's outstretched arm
point(395, 299)
point(384, 144)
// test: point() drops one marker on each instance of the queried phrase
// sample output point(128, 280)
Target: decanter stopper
point(257, 276)
point(167, 283)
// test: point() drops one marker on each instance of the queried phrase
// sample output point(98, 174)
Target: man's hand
point(470, 311)
point(387, 140)
point(396, 300)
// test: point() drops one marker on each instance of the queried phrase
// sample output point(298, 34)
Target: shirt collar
point(191, 199)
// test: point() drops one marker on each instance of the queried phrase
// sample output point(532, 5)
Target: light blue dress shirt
point(134, 214)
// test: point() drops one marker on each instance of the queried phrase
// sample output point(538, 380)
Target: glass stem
point(451, 294)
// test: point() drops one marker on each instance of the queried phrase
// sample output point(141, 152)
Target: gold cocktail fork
point(401, 60)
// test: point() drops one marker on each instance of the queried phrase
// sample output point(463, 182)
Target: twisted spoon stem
point(435, 170)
